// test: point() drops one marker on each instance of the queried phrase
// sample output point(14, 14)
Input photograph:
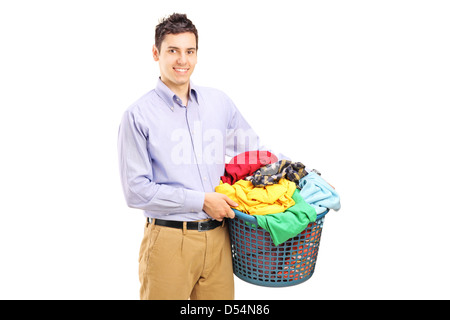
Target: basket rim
point(251, 219)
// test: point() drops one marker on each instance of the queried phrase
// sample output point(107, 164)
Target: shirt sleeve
point(135, 166)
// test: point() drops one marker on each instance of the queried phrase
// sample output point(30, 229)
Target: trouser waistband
point(190, 225)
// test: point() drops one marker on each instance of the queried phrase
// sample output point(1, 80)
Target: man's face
point(177, 58)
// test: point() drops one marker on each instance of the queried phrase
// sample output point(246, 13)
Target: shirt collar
point(169, 97)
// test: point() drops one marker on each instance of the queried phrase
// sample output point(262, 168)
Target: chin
point(181, 81)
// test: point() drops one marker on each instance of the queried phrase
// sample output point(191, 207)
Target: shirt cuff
point(194, 200)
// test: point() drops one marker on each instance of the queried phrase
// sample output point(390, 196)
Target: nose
point(182, 59)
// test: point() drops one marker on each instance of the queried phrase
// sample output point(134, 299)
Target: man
point(172, 146)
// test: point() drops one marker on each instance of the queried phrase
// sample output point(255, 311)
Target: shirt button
point(204, 178)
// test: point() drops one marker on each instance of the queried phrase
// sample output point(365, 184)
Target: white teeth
point(181, 70)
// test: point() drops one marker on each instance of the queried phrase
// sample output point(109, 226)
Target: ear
point(155, 53)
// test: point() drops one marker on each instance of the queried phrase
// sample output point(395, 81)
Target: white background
point(356, 89)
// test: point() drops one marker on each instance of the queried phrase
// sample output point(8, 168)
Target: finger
point(231, 202)
point(231, 214)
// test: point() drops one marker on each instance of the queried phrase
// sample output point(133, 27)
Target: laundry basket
point(257, 260)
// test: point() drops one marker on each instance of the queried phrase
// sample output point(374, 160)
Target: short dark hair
point(174, 24)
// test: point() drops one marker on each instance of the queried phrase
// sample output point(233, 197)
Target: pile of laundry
point(282, 196)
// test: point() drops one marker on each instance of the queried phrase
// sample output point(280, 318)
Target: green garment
point(285, 225)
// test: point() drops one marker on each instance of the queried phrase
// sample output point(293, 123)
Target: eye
point(172, 51)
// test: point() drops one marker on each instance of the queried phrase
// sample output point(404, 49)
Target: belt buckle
point(199, 227)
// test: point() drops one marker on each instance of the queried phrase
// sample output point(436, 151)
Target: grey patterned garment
point(272, 173)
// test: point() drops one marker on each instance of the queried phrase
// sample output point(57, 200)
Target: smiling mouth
point(182, 70)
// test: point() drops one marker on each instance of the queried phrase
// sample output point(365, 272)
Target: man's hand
point(217, 206)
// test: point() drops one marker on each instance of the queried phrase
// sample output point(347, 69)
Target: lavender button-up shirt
point(170, 155)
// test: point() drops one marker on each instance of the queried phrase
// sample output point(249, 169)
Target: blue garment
point(170, 155)
point(318, 193)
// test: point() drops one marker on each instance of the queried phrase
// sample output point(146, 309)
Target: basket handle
point(246, 217)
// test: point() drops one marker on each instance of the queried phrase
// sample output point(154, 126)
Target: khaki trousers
point(180, 264)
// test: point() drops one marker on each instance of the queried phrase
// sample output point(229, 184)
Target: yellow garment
point(253, 200)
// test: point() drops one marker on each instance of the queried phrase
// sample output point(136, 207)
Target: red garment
point(245, 164)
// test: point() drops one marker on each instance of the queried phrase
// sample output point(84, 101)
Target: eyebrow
point(172, 47)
